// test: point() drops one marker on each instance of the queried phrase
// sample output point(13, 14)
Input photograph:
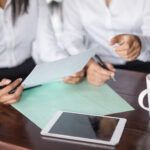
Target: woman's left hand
point(76, 78)
point(5, 97)
point(127, 46)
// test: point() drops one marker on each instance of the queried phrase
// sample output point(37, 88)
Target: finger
point(19, 91)
point(133, 55)
point(73, 80)
point(70, 79)
point(67, 78)
point(135, 51)
point(10, 87)
point(132, 52)
point(124, 39)
point(108, 73)
point(5, 82)
point(97, 78)
point(101, 78)
point(116, 39)
point(125, 53)
point(96, 81)
point(79, 74)
point(100, 70)
point(10, 102)
point(111, 67)
point(15, 96)
point(123, 47)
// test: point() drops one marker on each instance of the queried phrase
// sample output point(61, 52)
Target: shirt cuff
point(144, 43)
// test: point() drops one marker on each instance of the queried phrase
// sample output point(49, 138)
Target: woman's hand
point(127, 46)
point(76, 78)
point(5, 97)
point(97, 75)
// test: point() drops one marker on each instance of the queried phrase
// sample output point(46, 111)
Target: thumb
point(4, 82)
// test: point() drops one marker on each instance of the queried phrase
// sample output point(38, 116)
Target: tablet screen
point(85, 126)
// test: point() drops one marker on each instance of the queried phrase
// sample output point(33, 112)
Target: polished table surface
point(18, 133)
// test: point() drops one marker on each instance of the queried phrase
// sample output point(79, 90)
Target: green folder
point(41, 103)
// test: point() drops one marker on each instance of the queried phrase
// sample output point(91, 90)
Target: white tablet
point(85, 128)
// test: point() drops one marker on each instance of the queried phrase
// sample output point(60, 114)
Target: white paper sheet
point(48, 72)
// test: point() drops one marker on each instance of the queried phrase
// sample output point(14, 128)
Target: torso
point(14, 41)
point(103, 23)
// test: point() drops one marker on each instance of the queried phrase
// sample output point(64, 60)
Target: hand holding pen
point(97, 74)
point(10, 92)
point(107, 67)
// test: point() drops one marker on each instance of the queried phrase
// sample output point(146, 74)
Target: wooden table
point(18, 133)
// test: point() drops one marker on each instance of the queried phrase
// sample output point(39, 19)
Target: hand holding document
point(53, 71)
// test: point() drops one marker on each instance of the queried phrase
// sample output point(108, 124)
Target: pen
point(11, 91)
point(102, 64)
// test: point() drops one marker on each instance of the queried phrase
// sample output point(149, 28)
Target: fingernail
point(7, 81)
point(20, 79)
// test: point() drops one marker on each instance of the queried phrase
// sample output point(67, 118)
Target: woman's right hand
point(5, 97)
point(97, 75)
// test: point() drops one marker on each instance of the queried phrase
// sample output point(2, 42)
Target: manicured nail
point(7, 81)
point(20, 79)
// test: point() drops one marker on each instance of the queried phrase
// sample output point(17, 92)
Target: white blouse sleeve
point(145, 38)
point(73, 32)
point(45, 48)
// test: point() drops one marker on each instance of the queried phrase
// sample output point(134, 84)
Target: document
point(53, 71)
point(41, 103)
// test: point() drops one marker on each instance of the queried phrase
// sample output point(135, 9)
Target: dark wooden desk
point(17, 130)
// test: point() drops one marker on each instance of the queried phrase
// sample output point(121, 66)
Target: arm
point(73, 36)
point(145, 38)
point(133, 46)
point(45, 48)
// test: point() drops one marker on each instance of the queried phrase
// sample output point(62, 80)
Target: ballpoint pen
point(102, 64)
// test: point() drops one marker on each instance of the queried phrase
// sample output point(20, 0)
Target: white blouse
point(93, 21)
point(32, 35)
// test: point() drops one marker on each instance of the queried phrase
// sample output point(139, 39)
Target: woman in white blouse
point(121, 29)
point(25, 32)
